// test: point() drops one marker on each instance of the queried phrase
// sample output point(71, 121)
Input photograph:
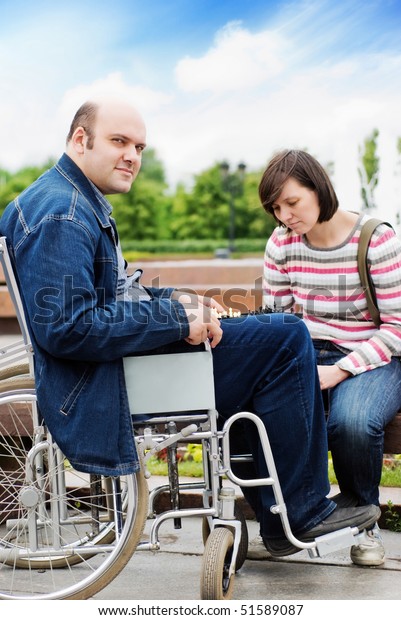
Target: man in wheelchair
point(86, 313)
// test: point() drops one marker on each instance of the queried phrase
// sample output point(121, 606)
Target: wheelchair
point(66, 535)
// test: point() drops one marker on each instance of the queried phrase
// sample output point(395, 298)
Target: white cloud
point(259, 97)
point(238, 60)
point(113, 85)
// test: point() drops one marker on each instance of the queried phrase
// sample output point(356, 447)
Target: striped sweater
point(325, 284)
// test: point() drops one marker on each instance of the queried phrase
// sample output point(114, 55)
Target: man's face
point(114, 160)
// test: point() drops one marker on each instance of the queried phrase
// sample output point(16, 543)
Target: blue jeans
point(265, 364)
point(359, 409)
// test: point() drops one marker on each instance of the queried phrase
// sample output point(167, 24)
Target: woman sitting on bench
point(311, 261)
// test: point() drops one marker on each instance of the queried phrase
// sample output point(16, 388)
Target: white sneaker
point(257, 550)
point(371, 552)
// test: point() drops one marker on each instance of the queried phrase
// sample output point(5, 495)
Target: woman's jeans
point(359, 408)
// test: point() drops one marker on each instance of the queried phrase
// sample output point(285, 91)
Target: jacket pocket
point(68, 405)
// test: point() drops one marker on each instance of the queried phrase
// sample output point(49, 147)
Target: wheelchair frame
point(83, 544)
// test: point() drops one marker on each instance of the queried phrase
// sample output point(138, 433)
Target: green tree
point(148, 212)
point(204, 212)
point(369, 170)
point(143, 213)
point(252, 220)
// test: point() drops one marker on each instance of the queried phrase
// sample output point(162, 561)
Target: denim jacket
point(63, 247)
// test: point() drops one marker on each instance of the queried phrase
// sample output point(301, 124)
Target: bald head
point(106, 140)
point(85, 116)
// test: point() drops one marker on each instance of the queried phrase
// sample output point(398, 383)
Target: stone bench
point(392, 436)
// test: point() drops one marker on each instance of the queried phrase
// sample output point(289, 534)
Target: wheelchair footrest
point(335, 541)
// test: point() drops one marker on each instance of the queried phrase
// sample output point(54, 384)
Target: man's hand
point(202, 319)
point(329, 376)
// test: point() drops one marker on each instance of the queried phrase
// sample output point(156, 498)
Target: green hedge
point(192, 246)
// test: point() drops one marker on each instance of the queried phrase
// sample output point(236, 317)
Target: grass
point(391, 472)
point(190, 469)
point(133, 256)
point(391, 478)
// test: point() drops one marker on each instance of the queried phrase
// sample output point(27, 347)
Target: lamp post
point(233, 185)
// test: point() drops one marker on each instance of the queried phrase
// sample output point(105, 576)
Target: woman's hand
point(329, 376)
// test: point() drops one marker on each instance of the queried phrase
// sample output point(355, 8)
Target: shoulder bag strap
point(366, 280)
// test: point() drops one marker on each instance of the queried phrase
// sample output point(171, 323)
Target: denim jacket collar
point(69, 169)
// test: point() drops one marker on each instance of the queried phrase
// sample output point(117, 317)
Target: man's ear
point(78, 140)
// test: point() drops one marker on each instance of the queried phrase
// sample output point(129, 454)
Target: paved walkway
point(173, 572)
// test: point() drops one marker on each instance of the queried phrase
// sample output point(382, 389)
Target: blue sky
point(231, 80)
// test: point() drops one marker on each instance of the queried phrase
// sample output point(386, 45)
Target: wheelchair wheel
point(244, 542)
point(215, 581)
point(58, 526)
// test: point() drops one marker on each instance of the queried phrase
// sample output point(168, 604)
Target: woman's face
point(297, 207)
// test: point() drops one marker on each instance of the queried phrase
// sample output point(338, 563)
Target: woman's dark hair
point(307, 171)
point(85, 117)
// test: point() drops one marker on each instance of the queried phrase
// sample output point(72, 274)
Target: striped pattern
point(325, 285)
